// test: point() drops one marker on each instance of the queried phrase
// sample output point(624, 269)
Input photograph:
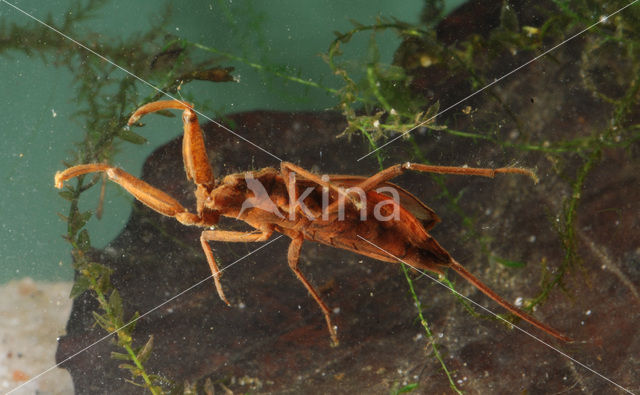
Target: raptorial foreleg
point(145, 193)
point(194, 153)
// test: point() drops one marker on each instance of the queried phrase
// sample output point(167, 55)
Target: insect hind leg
point(396, 170)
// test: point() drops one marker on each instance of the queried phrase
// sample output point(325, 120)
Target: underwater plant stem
point(154, 390)
point(404, 29)
point(254, 65)
point(373, 146)
point(567, 229)
point(425, 325)
point(373, 83)
point(462, 300)
point(125, 341)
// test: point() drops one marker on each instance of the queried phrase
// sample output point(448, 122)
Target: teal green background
point(37, 101)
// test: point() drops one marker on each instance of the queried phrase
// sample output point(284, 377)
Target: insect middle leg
point(287, 167)
point(228, 236)
point(293, 256)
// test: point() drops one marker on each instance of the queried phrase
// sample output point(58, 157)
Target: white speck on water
point(518, 301)
point(588, 312)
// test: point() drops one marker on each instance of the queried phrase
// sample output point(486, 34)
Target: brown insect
point(366, 215)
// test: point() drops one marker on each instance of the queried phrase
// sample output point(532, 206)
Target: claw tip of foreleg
point(57, 180)
point(533, 175)
point(133, 119)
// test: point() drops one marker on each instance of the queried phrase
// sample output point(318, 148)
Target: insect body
point(366, 215)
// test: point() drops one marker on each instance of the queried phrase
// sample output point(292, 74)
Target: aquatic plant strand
point(140, 79)
point(601, 20)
